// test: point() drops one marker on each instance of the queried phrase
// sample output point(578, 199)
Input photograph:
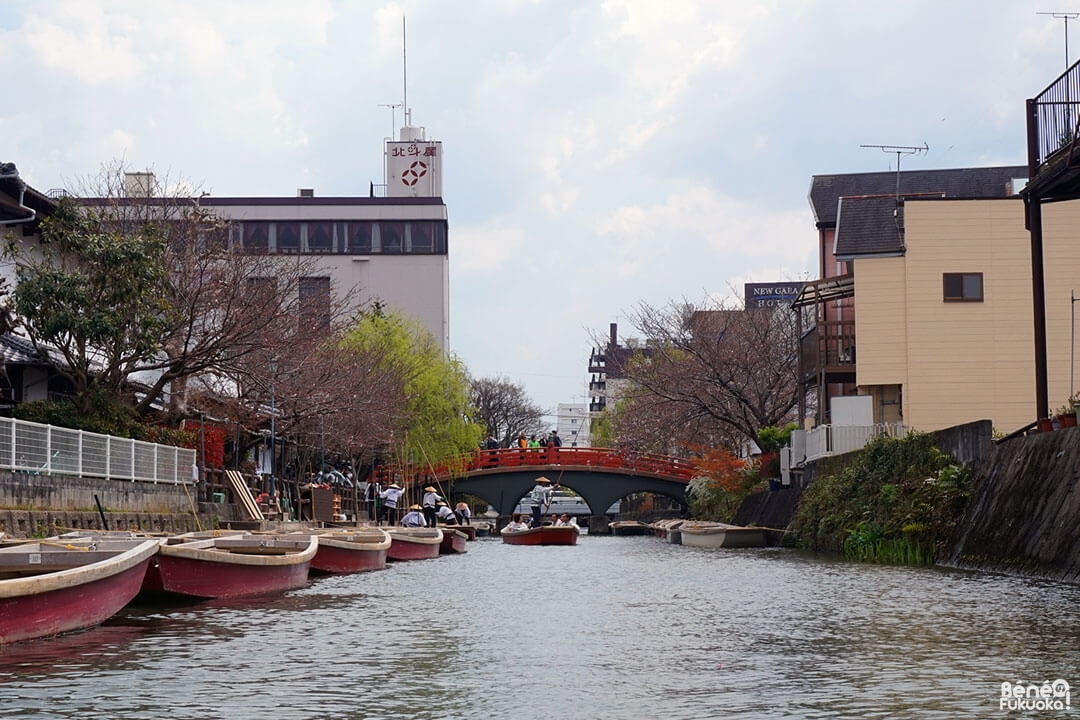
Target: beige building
point(944, 317)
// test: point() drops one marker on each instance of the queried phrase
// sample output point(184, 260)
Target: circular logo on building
point(413, 173)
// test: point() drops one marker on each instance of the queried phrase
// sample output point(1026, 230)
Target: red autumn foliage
point(720, 465)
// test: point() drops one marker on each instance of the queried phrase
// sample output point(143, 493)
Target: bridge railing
point(582, 457)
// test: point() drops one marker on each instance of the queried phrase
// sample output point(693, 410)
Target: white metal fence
point(48, 450)
point(837, 439)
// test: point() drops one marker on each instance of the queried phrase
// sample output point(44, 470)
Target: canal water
point(612, 628)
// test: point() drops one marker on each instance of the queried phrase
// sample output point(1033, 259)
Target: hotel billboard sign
point(768, 295)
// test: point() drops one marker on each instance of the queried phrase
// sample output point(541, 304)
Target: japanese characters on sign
point(414, 169)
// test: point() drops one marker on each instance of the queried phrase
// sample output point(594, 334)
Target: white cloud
point(486, 249)
point(599, 153)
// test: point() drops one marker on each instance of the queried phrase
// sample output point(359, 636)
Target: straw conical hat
point(542, 479)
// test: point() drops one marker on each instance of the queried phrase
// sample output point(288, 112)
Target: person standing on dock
point(390, 498)
point(541, 500)
point(371, 494)
point(430, 501)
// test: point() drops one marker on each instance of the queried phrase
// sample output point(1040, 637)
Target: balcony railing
point(48, 450)
point(828, 347)
point(826, 440)
point(1053, 118)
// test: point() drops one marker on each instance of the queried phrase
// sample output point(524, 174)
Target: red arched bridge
point(600, 476)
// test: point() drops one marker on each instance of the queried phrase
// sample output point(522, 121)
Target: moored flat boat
point(453, 541)
point(630, 527)
point(230, 566)
point(468, 530)
point(716, 535)
point(544, 535)
point(54, 586)
point(414, 543)
point(348, 551)
point(660, 527)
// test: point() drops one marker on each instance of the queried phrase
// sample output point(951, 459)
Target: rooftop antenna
point(1066, 17)
point(393, 114)
point(404, 76)
point(900, 150)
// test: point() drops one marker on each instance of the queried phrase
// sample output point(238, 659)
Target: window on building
point(315, 302)
point(358, 237)
point(420, 237)
point(215, 239)
point(260, 290)
point(320, 237)
point(288, 237)
point(256, 236)
point(392, 235)
point(963, 287)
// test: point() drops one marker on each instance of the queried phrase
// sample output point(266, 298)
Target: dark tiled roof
point(12, 189)
point(988, 182)
point(869, 226)
point(18, 351)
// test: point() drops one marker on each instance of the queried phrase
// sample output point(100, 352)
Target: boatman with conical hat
point(431, 499)
point(541, 500)
point(414, 518)
point(390, 497)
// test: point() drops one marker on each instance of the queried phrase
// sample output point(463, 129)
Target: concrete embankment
point(32, 504)
point(1024, 512)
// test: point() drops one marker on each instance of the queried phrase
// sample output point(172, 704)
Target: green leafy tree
point(93, 294)
point(437, 420)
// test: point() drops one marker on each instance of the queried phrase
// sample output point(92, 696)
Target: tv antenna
point(393, 115)
point(900, 151)
point(1066, 17)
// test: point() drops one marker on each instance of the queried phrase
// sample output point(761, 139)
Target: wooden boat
point(483, 529)
point(453, 541)
point(468, 530)
point(348, 551)
point(414, 543)
point(54, 586)
point(716, 535)
point(231, 566)
point(630, 527)
point(544, 535)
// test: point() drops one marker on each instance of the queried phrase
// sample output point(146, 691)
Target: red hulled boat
point(468, 530)
point(453, 541)
point(231, 565)
point(544, 535)
point(53, 586)
point(349, 551)
point(414, 543)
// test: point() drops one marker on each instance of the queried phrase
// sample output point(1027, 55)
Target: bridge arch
point(601, 477)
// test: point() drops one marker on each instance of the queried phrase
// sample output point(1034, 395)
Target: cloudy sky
point(598, 153)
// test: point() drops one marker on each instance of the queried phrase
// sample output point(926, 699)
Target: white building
point(392, 247)
point(572, 422)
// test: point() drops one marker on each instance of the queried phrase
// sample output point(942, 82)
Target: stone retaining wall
point(30, 491)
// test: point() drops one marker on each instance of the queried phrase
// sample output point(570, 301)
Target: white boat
point(717, 535)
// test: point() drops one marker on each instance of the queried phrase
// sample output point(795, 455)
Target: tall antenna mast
point(1066, 17)
point(404, 76)
point(900, 150)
